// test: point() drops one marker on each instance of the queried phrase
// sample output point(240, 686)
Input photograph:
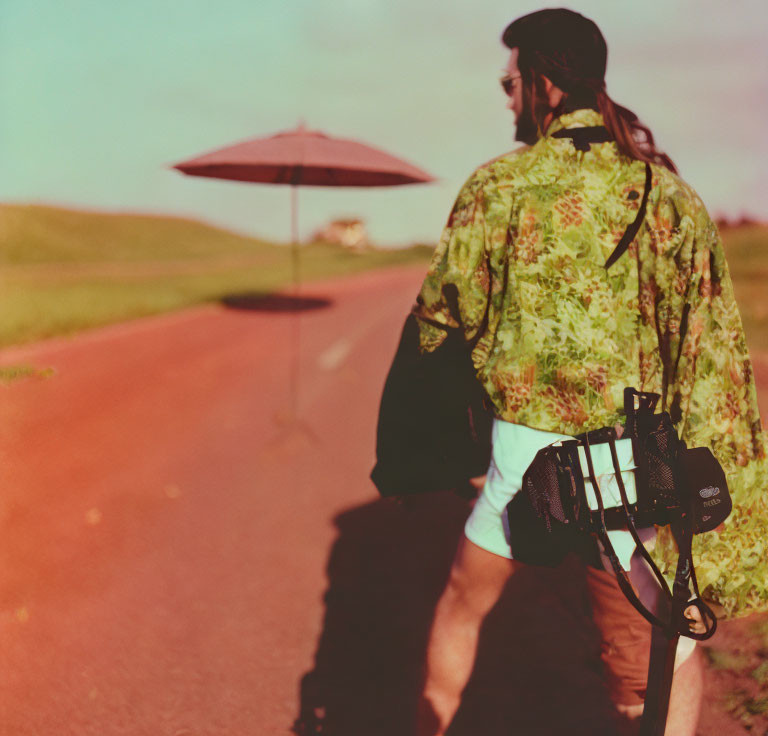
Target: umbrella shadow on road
point(537, 670)
point(258, 302)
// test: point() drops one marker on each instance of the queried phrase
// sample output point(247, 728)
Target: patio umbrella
point(303, 157)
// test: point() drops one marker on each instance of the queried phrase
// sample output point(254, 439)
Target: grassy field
point(746, 249)
point(62, 271)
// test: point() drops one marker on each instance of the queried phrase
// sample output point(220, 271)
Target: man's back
point(528, 242)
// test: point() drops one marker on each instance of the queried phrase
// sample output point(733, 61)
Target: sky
point(100, 97)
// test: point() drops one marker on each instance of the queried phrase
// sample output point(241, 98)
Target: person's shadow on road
point(537, 671)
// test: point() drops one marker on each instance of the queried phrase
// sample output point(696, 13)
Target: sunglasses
point(508, 84)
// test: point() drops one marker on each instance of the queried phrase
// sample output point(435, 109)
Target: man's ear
point(553, 92)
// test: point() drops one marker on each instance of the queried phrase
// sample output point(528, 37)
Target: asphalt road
point(185, 552)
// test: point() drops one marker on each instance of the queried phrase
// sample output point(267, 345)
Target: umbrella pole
point(295, 357)
point(295, 319)
point(295, 275)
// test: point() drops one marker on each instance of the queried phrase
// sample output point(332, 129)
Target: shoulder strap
point(663, 638)
point(685, 575)
point(602, 534)
point(631, 231)
point(680, 597)
point(661, 669)
point(583, 137)
point(631, 519)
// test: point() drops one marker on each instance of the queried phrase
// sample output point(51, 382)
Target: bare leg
point(685, 698)
point(475, 584)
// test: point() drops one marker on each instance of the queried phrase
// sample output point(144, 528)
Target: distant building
point(350, 233)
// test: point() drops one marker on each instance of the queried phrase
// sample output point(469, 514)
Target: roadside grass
point(740, 672)
point(65, 271)
point(751, 712)
point(34, 306)
point(10, 373)
point(760, 673)
point(723, 659)
point(42, 234)
point(746, 249)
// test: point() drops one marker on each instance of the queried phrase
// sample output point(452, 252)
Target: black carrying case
point(434, 430)
point(550, 516)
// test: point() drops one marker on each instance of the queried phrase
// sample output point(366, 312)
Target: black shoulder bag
point(434, 428)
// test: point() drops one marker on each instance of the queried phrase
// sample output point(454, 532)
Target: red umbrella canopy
point(308, 158)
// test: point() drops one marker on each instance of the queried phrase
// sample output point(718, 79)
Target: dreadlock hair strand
point(632, 137)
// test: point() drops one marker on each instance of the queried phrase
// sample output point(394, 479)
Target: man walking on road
point(557, 336)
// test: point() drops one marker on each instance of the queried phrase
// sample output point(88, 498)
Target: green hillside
point(38, 234)
point(62, 270)
point(746, 249)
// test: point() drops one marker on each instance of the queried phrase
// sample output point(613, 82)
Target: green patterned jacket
point(520, 268)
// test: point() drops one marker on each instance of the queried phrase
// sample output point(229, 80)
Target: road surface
point(187, 553)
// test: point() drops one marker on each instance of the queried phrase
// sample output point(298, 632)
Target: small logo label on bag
point(709, 491)
point(713, 502)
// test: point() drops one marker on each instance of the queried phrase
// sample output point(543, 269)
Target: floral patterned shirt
point(557, 337)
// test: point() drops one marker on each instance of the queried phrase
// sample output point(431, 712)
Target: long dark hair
point(571, 52)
